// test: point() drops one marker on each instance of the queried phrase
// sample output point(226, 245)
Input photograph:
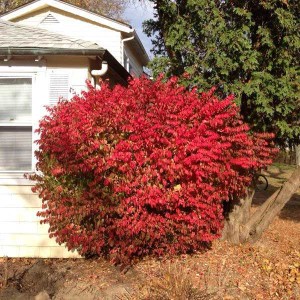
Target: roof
point(20, 36)
point(91, 16)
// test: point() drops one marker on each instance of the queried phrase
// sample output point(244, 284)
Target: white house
point(118, 38)
point(47, 50)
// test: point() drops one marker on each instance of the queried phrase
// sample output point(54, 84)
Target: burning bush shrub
point(143, 170)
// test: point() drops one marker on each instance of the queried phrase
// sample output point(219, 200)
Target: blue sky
point(135, 14)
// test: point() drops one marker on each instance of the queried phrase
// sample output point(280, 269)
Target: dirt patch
point(63, 279)
point(270, 269)
point(30, 279)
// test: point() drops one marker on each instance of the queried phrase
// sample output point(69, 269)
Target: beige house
point(47, 50)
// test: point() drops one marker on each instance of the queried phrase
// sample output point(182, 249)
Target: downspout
point(100, 72)
point(123, 41)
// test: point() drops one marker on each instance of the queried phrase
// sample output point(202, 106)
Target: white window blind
point(15, 124)
point(16, 148)
point(58, 87)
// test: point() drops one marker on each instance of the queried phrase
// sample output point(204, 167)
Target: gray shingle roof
point(23, 40)
point(19, 36)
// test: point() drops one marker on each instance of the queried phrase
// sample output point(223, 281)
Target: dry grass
point(172, 281)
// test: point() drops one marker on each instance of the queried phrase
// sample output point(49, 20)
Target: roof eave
point(145, 56)
point(102, 54)
point(116, 66)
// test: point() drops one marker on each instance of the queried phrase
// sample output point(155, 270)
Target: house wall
point(21, 234)
point(76, 27)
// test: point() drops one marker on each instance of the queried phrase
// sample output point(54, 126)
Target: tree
point(251, 49)
point(113, 9)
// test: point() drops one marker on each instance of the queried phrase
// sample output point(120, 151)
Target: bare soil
point(269, 269)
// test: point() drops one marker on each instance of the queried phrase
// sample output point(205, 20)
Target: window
point(125, 61)
point(130, 69)
point(15, 123)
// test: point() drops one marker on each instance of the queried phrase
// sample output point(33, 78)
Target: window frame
point(32, 76)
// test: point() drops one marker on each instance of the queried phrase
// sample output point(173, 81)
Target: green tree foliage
point(249, 48)
point(113, 9)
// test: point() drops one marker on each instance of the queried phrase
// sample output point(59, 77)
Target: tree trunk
point(241, 227)
point(297, 151)
point(237, 216)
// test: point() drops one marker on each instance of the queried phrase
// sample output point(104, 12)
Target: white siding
point(76, 27)
point(76, 74)
point(21, 234)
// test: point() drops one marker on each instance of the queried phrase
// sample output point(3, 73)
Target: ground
point(269, 269)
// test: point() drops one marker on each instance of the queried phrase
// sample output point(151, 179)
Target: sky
point(135, 14)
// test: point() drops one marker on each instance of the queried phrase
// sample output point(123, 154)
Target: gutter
point(10, 51)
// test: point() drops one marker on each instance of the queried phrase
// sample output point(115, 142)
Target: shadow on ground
point(278, 174)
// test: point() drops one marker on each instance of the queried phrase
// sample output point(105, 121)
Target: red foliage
point(143, 170)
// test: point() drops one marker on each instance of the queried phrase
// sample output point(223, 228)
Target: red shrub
point(143, 170)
